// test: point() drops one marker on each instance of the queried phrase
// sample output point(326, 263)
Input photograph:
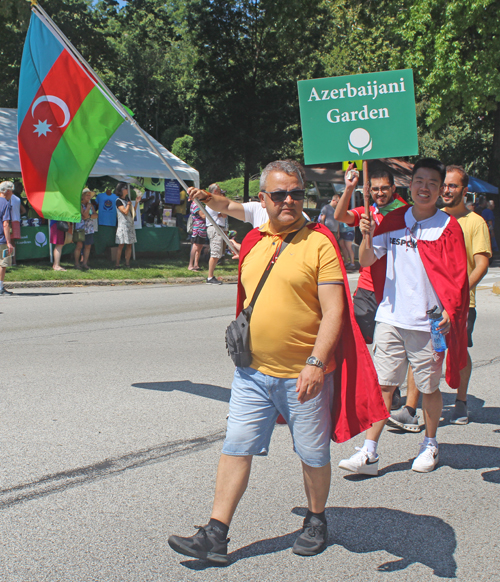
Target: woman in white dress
point(125, 232)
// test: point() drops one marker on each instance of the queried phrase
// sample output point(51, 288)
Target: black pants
point(365, 308)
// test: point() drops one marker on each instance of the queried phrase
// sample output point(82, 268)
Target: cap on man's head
point(86, 191)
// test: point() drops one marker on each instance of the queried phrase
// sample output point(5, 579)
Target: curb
point(113, 282)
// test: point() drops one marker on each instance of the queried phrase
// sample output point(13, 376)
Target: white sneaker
point(362, 462)
point(427, 459)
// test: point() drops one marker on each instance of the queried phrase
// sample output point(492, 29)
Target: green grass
point(145, 267)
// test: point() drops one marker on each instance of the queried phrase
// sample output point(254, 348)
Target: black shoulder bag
point(238, 331)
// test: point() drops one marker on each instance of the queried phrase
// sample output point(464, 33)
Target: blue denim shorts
point(258, 399)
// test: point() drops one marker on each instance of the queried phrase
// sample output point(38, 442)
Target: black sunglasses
point(282, 195)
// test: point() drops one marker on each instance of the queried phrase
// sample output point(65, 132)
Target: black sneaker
point(208, 544)
point(3, 291)
point(214, 281)
point(396, 400)
point(313, 538)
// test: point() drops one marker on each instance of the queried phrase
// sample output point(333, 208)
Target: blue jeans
point(258, 399)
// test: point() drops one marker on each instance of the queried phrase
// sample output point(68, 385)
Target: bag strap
point(270, 265)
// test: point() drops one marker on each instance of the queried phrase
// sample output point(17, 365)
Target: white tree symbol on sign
point(359, 139)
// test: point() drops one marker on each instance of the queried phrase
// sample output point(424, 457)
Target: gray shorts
point(217, 244)
point(395, 347)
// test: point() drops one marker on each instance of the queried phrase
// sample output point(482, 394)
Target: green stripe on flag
point(76, 154)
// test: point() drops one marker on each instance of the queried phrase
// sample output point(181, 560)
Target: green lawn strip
point(146, 268)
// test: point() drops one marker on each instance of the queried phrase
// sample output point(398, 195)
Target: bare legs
point(412, 393)
point(374, 432)
point(347, 251)
point(57, 252)
point(128, 253)
point(464, 379)
point(78, 252)
point(211, 266)
point(317, 486)
point(432, 405)
point(86, 253)
point(232, 480)
point(194, 257)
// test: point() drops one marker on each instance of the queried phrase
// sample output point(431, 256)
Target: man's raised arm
point(218, 203)
point(342, 212)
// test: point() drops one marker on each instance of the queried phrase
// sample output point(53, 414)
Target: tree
point(250, 53)
point(454, 48)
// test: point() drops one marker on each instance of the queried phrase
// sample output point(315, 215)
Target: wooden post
point(366, 196)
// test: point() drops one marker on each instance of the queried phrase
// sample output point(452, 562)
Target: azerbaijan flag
point(64, 122)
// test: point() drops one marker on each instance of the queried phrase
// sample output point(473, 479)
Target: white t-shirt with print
point(220, 221)
point(408, 293)
point(255, 213)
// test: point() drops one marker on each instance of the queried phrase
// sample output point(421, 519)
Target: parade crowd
point(305, 359)
point(301, 347)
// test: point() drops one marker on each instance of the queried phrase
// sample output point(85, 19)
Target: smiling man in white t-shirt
point(426, 267)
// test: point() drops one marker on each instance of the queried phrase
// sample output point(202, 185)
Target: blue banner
point(172, 192)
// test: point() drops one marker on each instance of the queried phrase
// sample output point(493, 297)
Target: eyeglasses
point(384, 189)
point(452, 186)
point(282, 195)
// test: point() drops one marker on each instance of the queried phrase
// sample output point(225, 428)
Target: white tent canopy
point(126, 154)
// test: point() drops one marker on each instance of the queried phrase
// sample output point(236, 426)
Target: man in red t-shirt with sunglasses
point(383, 192)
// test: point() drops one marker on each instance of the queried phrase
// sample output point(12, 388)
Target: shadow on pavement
point(492, 476)
point(463, 456)
point(426, 539)
point(206, 390)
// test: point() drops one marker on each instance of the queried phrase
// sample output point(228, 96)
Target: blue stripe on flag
point(41, 51)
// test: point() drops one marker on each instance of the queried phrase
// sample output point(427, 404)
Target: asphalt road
point(113, 410)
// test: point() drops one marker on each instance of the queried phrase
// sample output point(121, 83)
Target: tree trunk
point(246, 180)
point(494, 171)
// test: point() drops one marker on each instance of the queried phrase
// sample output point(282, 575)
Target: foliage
point(234, 187)
point(215, 80)
point(454, 48)
point(184, 148)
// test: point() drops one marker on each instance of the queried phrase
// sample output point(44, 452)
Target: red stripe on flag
point(66, 86)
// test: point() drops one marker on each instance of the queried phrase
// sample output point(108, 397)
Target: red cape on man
point(445, 263)
point(358, 401)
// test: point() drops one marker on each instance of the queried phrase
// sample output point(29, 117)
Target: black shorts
point(199, 240)
point(365, 308)
point(471, 320)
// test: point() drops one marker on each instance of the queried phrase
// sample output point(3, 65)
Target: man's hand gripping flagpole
point(36, 8)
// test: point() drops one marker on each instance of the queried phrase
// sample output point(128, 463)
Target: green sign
point(34, 243)
point(154, 184)
point(366, 117)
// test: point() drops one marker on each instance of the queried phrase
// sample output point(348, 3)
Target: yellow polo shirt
point(477, 240)
point(286, 317)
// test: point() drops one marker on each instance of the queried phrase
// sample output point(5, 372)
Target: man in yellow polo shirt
point(294, 329)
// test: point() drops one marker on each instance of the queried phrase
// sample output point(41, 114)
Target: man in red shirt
point(385, 199)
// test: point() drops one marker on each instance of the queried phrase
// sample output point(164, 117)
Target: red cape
point(358, 401)
point(445, 263)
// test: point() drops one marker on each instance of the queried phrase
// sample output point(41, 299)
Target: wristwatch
point(313, 361)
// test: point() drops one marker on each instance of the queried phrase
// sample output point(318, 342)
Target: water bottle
point(437, 338)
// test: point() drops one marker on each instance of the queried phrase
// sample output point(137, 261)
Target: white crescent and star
point(42, 127)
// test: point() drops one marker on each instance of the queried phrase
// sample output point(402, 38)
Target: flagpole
point(123, 112)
